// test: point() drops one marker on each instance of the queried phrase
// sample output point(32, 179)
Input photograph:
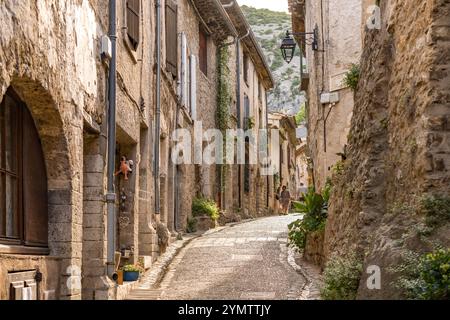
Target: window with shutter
point(171, 38)
point(133, 22)
point(203, 51)
point(193, 86)
point(246, 112)
point(23, 179)
point(246, 67)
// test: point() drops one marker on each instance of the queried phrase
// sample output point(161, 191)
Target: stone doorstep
point(124, 290)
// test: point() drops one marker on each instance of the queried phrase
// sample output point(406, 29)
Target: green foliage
point(425, 277)
point(295, 84)
point(277, 63)
point(191, 225)
point(223, 103)
point(338, 168)
point(202, 206)
point(132, 268)
point(297, 234)
point(326, 191)
point(250, 123)
point(351, 78)
point(315, 212)
point(300, 118)
point(224, 94)
point(312, 205)
point(436, 209)
point(341, 278)
point(265, 16)
point(289, 72)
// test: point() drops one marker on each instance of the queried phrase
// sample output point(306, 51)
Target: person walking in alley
point(285, 200)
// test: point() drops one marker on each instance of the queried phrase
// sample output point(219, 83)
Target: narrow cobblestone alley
point(247, 261)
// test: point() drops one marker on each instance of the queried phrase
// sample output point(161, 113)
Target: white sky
point(275, 5)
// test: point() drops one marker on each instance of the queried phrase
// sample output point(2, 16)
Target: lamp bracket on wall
point(289, 44)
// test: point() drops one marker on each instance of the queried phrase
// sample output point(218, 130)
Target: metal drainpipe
point(111, 195)
point(268, 150)
point(158, 107)
point(238, 100)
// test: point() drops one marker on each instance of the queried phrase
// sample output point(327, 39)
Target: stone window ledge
point(21, 250)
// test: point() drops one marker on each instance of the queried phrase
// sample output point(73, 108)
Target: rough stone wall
point(49, 287)
point(252, 200)
point(398, 150)
point(49, 55)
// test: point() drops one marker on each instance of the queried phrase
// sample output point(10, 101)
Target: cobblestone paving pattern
point(248, 261)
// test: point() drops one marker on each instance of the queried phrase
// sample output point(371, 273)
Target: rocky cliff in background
point(270, 27)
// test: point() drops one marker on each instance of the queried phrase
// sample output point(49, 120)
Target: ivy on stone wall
point(223, 102)
point(224, 95)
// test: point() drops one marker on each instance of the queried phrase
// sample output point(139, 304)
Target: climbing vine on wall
point(223, 101)
point(224, 95)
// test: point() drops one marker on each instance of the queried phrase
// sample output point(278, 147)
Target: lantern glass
point(288, 48)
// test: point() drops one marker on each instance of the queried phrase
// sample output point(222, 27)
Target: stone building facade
point(398, 155)
point(329, 101)
point(246, 187)
point(284, 158)
point(54, 89)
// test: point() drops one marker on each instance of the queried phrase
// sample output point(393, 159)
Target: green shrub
point(300, 118)
point(203, 206)
point(426, 277)
point(315, 209)
point(436, 209)
point(297, 234)
point(338, 168)
point(341, 278)
point(351, 78)
point(326, 191)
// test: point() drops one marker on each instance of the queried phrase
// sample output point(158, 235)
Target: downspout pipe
point(238, 100)
point(158, 109)
point(238, 75)
point(268, 150)
point(111, 194)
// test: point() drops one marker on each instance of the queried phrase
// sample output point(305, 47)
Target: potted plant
point(206, 212)
point(131, 272)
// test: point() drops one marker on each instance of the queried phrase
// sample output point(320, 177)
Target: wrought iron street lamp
point(288, 44)
point(288, 48)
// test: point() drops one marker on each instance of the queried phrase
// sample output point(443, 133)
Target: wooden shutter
point(34, 185)
point(246, 62)
point(171, 38)
point(133, 22)
point(203, 51)
point(193, 86)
